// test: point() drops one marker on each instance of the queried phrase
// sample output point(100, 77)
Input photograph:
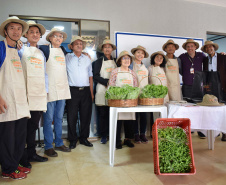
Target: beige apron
point(12, 87)
point(34, 72)
point(173, 79)
point(57, 75)
point(141, 72)
point(124, 78)
point(105, 72)
point(158, 72)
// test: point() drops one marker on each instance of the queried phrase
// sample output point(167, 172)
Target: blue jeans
point(55, 112)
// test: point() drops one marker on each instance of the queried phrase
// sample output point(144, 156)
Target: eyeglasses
point(60, 37)
point(125, 58)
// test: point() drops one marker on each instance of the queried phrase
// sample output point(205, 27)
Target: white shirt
point(212, 65)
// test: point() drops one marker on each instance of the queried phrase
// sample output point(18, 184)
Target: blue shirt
point(21, 51)
point(3, 52)
point(79, 69)
point(212, 62)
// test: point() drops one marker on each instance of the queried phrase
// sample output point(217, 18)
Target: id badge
point(192, 70)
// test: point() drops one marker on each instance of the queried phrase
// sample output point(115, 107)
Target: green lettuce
point(154, 91)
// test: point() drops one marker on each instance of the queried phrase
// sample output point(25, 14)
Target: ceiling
point(221, 3)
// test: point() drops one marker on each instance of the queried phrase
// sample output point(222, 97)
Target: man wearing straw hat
point(58, 92)
point(80, 77)
point(34, 64)
point(14, 109)
point(216, 62)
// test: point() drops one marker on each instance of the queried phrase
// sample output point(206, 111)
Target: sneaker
point(103, 140)
point(15, 175)
point(128, 143)
point(137, 139)
point(23, 169)
point(201, 135)
point(143, 138)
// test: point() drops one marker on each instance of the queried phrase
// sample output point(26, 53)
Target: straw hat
point(53, 30)
point(13, 19)
point(210, 100)
point(123, 53)
point(74, 38)
point(41, 27)
point(190, 41)
point(208, 42)
point(107, 41)
point(146, 55)
point(159, 53)
point(170, 41)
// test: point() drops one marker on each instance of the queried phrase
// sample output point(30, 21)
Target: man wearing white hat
point(216, 62)
point(34, 64)
point(58, 92)
point(14, 109)
point(80, 77)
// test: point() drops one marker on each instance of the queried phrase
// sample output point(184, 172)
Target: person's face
point(139, 55)
point(209, 49)
point(170, 49)
point(190, 47)
point(77, 46)
point(14, 30)
point(107, 49)
point(125, 61)
point(33, 35)
point(158, 60)
point(56, 39)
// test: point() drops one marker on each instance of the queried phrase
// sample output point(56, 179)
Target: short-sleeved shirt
point(3, 52)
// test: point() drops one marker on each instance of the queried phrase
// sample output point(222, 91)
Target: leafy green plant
point(154, 91)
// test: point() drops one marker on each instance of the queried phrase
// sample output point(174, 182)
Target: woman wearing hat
point(101, 74)
point(119, 77)
point(14, 109)
point(58, 91)
point(158, 62)
point(142, 73)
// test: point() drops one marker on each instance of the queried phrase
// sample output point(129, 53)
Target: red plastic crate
point(183, 123)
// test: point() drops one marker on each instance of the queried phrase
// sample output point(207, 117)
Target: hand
point(223, 53)
point(19, 44)
point(3, 105)
point(86, 54)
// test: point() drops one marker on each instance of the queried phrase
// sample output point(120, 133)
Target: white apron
point(105, 72)
point(158, 72)
point(57, 75)
point(141, 72)
point(173, 79)
point(124, 78)
point(34, 72)
point(12, 87)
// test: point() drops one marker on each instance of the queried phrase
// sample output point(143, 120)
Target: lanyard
point(191, 60)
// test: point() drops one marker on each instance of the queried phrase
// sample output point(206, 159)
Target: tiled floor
point(90, 166)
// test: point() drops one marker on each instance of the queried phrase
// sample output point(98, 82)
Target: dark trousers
point(12, 143)
point(32, 126)
point(80, 102)
point(128, 129)
point(187, 91)
point(142, 116)
point(104, 120)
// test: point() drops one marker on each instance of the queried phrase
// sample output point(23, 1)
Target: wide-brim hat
point(208, 42)
point(139, 47)
point(53, 30)
point(159, 53)
point(170, 41)
point(40, 26)
point(123, 53)
point(210, 100)
point(190, 41)
point(74, 38)
point(107, 41)
point(13, 19)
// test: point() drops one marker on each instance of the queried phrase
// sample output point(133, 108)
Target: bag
point(207, 82)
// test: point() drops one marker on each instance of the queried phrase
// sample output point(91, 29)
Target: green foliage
point(154, 91)
point(122, 93)
point(174, 154)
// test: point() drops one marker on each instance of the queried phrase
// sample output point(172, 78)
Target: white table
point(202, 118)
point(113, 123)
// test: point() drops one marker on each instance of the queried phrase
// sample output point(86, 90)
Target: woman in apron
point(101, 74)
point(142, 73)
point(119, 77)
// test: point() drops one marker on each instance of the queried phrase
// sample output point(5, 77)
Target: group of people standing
point(40, 80)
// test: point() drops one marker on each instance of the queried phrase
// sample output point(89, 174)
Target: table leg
point(112, 135)
point(211, 139)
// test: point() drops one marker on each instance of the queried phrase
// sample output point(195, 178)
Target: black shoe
point(201, 135)
point(72, 144)
point(119, 145)
point(38, 158)
point(85, 142)
point(26, 164)
point(128, 143)
point(223, 137)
